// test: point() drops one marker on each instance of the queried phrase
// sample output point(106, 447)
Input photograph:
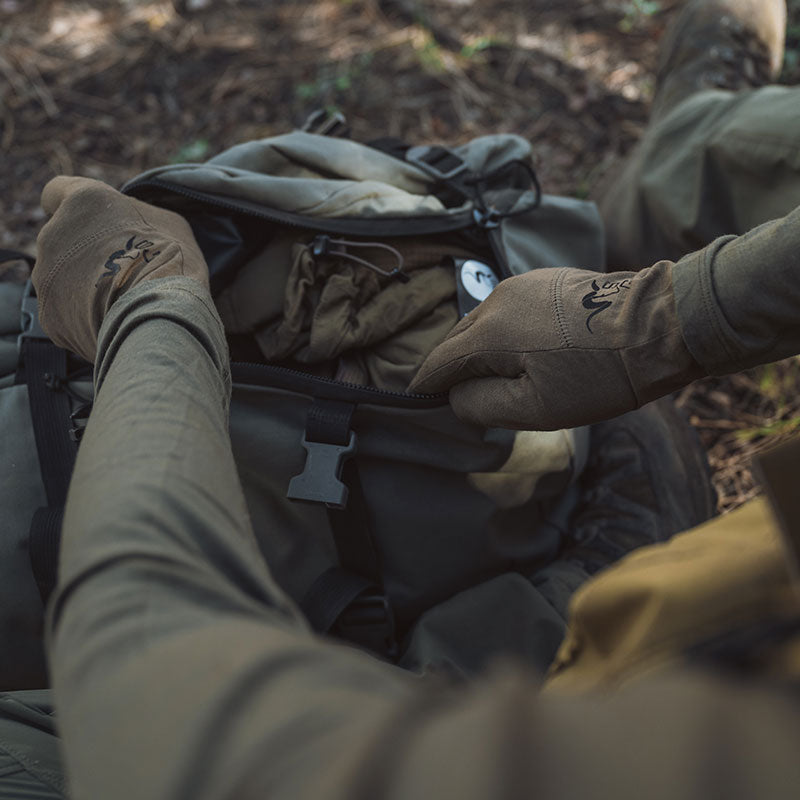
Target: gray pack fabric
point(336, 268)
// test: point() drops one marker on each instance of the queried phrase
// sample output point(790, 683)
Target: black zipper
point(357, 226)
point(273, 376)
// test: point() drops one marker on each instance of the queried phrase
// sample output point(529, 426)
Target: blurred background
point(108, 89)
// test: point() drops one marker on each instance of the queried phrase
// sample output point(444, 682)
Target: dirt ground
point(110, 88)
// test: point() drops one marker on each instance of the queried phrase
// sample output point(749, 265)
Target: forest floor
point(110, 88)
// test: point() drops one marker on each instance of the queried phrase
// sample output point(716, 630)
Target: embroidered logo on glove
point(601, 297)
point(132, 252)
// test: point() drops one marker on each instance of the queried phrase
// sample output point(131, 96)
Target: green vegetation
point(773, 429)
point(472, 49)
point(430, 54)
point(196, 150)
point(635, 10)
point(334, 79)
point(778, 385)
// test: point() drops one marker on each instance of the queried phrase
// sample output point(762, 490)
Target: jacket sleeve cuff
point(708, 335)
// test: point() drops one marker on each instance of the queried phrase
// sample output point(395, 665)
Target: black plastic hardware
point(487, 218)
point(326, 123)
point(320, 480)
point(439, 162)
point(369, 622)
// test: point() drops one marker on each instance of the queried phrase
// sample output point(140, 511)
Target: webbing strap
point(43, 366)
point(346, 600)
point(328, 422)
point(43, 546)
point(350, 607)
point(351, 530)
point(362, 615)
point(329, 595)
point(50, 409)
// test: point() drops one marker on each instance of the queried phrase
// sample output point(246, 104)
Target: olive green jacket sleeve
point(738, 300)
point(181, 671)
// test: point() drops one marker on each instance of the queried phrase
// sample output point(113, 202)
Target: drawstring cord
point(324, 246)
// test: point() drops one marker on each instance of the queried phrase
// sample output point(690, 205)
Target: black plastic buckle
point(439, 162)
point(368, 622)
point(29, 318)
point(326, 123)
point(319, 482)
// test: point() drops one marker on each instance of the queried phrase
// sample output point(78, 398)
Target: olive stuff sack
point(336, 268)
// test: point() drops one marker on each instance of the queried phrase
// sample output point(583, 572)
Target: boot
point(720, 44)
point(647, 479)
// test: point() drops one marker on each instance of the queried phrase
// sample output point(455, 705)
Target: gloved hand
point(98, 244)
point(556, 348)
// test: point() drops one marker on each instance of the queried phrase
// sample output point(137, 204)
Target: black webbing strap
point(350, 607)
point(43, 546)
point(329, 596)
point(347, 600)
point(328, 422)
point(43, 367)
point(351, 530)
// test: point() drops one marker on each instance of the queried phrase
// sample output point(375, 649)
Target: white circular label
point(478, 279)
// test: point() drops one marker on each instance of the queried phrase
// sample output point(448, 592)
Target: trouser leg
point(718, 163)
point(30, 762)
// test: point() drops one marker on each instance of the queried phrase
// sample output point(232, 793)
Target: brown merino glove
point(556, 348)
point(98, 244)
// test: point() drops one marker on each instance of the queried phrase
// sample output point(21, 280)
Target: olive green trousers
point(718, 163)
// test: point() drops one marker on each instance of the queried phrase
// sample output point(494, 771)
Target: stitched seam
point(558, 311)
point(77, 248)
point(59, 265)
point(49, 776)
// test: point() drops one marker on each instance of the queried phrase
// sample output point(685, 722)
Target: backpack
point(336, 267)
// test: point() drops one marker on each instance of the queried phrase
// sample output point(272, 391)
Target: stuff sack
point(336, 268)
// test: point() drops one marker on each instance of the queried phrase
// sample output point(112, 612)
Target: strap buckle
point(368, 622)
point(326, 123)
point(319, 482)
point(439, 162)
point(29, 317)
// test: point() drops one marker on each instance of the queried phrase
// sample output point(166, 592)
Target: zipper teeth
point(342, 384)
point(215, 201)
point(463, 220)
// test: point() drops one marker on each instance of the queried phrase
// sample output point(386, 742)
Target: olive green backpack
point(336, 268)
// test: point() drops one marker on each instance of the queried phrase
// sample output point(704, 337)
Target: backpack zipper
point(357, 226)
point(271, 375)
point(354, 226)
